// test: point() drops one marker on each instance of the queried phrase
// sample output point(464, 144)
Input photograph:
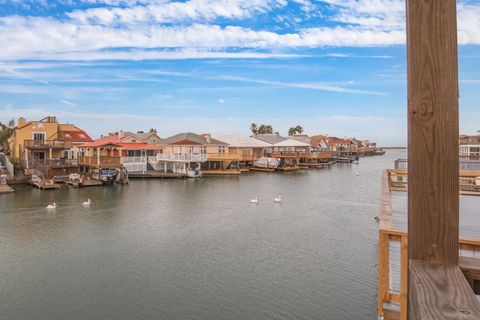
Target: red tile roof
point(108, 140)
point(115, 141)
point(76, 136)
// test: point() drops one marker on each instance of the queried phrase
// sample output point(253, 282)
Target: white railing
point(8, 165)
point(134, 160)
point(179, 157)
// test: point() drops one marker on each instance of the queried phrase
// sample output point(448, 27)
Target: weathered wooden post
point(437, 288)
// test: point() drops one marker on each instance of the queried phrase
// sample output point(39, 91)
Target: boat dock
point(153, 175)
point(45, 185)
point(5, 188)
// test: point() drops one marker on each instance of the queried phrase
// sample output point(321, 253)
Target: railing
point(393, 265)
point(102, 161)
point(223, 157)
point(179, 157)
point(7, 164)
point(49, 163)
point(126, 160)
point(47, 144)
point(135, 164)
point(465, 164)
point(469, 181)
point(286, 154)
point(393, 261)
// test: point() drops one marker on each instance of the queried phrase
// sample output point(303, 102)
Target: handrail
point(469, 181)
point(179, 157)
point(47, 144)
point(103, 160)
point(8, 165)
point(389, 237)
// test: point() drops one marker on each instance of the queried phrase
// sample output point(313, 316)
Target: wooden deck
point(154, 175)
point(219, 172)
point(393, 248)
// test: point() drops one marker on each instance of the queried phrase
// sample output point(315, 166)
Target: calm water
point(196, 249)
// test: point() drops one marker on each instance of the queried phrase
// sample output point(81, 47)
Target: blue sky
point(333, 66)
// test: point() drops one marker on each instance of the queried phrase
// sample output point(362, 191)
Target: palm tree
point(265, 129)
point(153, 130)
point(294, 130)
point(254, 128)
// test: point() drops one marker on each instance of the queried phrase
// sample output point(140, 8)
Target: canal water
point(197, 249)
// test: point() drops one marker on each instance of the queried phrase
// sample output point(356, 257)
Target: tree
point(153, 130)
point(6, 132)
point(294, 130)
point(254, 128)
point(140, 132)
point(265, 129)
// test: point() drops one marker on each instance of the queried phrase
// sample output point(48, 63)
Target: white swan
point(278, 199)
point(87, 203)
point(254, 200)
point(52, 206)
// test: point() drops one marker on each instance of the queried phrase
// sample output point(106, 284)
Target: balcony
point(47, 144)
point(178, 157)
point(102, 161)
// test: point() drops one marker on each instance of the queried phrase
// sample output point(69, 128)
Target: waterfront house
point(465, 139)
point(193, 154)
point(340, 147)
point(290, 151)
point(469, 147)
point(47, 146)
point(127, 148)
point(244, 148)
point(469, 151)
point(319, 155)
point(320, 143)
point(181, 155)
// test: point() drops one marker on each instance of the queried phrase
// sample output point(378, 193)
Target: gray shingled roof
point(196, 138)
point(270, 138)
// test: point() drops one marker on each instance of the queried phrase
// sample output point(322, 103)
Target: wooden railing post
point(433, 202)
point(383, 270)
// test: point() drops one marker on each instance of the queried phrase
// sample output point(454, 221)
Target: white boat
point(265, 162)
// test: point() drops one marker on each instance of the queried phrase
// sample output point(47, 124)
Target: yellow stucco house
point(46, 142)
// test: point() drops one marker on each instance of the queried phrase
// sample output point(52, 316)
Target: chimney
point(21, 121)
point(208, 137)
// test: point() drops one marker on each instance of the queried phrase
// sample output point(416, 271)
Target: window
point(221, 149)
point(203, 149)
point(153, 141)
point(39, 136)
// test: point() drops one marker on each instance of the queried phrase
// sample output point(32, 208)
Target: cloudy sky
point(333, 66)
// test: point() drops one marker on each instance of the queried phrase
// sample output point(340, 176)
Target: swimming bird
point(377, 219)
point(87, 203)
point(254, 200)
point(52, 206)
point(278, 198)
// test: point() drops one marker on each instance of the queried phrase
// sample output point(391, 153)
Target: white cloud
point(68, 103)
point(220, 101)
point(169, 12)
point(185, 30)
point(308, 86)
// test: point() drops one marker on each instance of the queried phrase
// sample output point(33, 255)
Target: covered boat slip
point(393, 248)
